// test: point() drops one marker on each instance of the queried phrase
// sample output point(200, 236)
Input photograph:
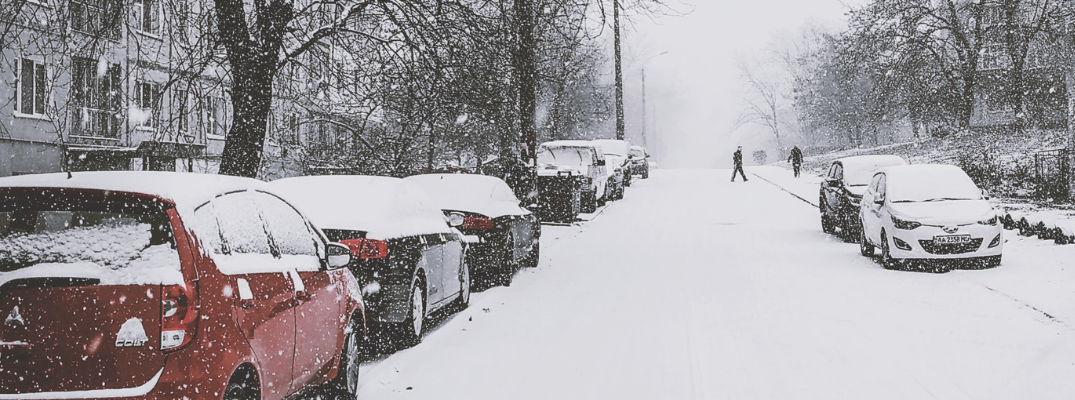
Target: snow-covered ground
point(697, 288)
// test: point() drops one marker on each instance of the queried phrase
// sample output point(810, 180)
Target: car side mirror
point(600, 163)
point(456, 220)
point(834, 183)
point(879, 200)
point(338, 256)
point(985, 194)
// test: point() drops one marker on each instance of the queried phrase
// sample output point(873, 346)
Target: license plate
point(952, 239)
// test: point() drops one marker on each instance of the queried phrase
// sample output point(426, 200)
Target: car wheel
point(627, 179)
point(243, 386)
point(346, 381)
point(865, 248)
point(589, 204)
point(826, 221)
point(464, 288)
point(413, 326)
point(992, 261)
point(533, 257)
point(645, 173)
point(886, 255)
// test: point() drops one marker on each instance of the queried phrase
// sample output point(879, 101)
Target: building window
point(211, 123)
point(147, 98)
point(30, 99)
point(148, 14)
point(95, 98)
point(97, 18)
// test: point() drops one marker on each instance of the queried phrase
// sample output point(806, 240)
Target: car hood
point(951, 212)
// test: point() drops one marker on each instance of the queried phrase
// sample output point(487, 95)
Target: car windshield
point(96, 240)
point(613, 147)
point(928, 185)
point(638, 153)
point(564, 155)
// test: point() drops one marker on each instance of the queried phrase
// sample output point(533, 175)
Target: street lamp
point(644, 143)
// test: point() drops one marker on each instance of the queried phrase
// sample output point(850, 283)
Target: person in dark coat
point(737, 158)
point(796, 159)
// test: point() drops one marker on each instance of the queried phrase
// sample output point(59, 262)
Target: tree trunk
point(526, 75)
point(619, 71)
point(251, 97)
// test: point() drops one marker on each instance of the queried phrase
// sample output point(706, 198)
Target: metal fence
point(1053, 173)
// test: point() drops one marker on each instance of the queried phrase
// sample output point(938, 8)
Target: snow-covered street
point(693, 287)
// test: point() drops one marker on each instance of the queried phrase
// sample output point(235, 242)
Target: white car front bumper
point(921, 242)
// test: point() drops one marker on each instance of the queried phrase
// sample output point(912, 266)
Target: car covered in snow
point(576, 158)
point(407, 259)
point(929, 212)
point(638, 160)
point(842, 188)
point(484, 207)
point(617, 156)
point(167, 285)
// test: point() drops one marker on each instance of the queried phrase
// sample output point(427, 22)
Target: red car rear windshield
point(115, 238)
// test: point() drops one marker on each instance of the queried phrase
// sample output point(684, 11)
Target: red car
point(156, 285)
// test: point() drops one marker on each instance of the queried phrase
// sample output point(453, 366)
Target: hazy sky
point(693, 92)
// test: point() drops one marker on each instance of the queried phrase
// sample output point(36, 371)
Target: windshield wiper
point(944, 199)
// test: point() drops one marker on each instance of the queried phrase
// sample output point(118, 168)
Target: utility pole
point(644, 108)
point(619, 71)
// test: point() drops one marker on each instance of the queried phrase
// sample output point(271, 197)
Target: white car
point(929, 212)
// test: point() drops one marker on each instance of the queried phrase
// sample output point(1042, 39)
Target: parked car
point(639, 161)
point(617, 153)
point(168, 285)
point(407, 259)
point(485, 207)
point(581, 157)
point(842, 189)
point(929, 212)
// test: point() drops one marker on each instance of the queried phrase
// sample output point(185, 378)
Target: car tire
point(826, 220)
point(346, 382)
point(992, 261)
point(589, 204)
point(243, 385)
point(627, 179)
point(848, 229)
point(886, 255)
point(412, 328)
point(865, 247)
point(463, 301)
point(532, 258)
point(645, 173)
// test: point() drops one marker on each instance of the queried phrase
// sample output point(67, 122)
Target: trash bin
point(559, 195)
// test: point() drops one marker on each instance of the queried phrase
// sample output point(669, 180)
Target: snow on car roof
point(858, 170)
point(183, 188)
point(928, 181)
point(383, 207)
point(481, 194)
point(613, 146)
point(570, 143)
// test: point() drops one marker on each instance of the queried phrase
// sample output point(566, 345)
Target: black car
point(505, 236)
point(408, 262)
point(842, 189)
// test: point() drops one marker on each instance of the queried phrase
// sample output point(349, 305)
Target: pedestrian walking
point(737, 158)
point(796, 160)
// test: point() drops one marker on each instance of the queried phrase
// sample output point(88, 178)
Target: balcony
point(91, 123)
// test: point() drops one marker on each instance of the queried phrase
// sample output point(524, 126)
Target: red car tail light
point(179, 315)
point(367, 249)
point(477, 223)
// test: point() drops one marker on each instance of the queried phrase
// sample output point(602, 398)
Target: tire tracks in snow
point(784, 189)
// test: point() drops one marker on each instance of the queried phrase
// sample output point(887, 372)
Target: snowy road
point(697, 288)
